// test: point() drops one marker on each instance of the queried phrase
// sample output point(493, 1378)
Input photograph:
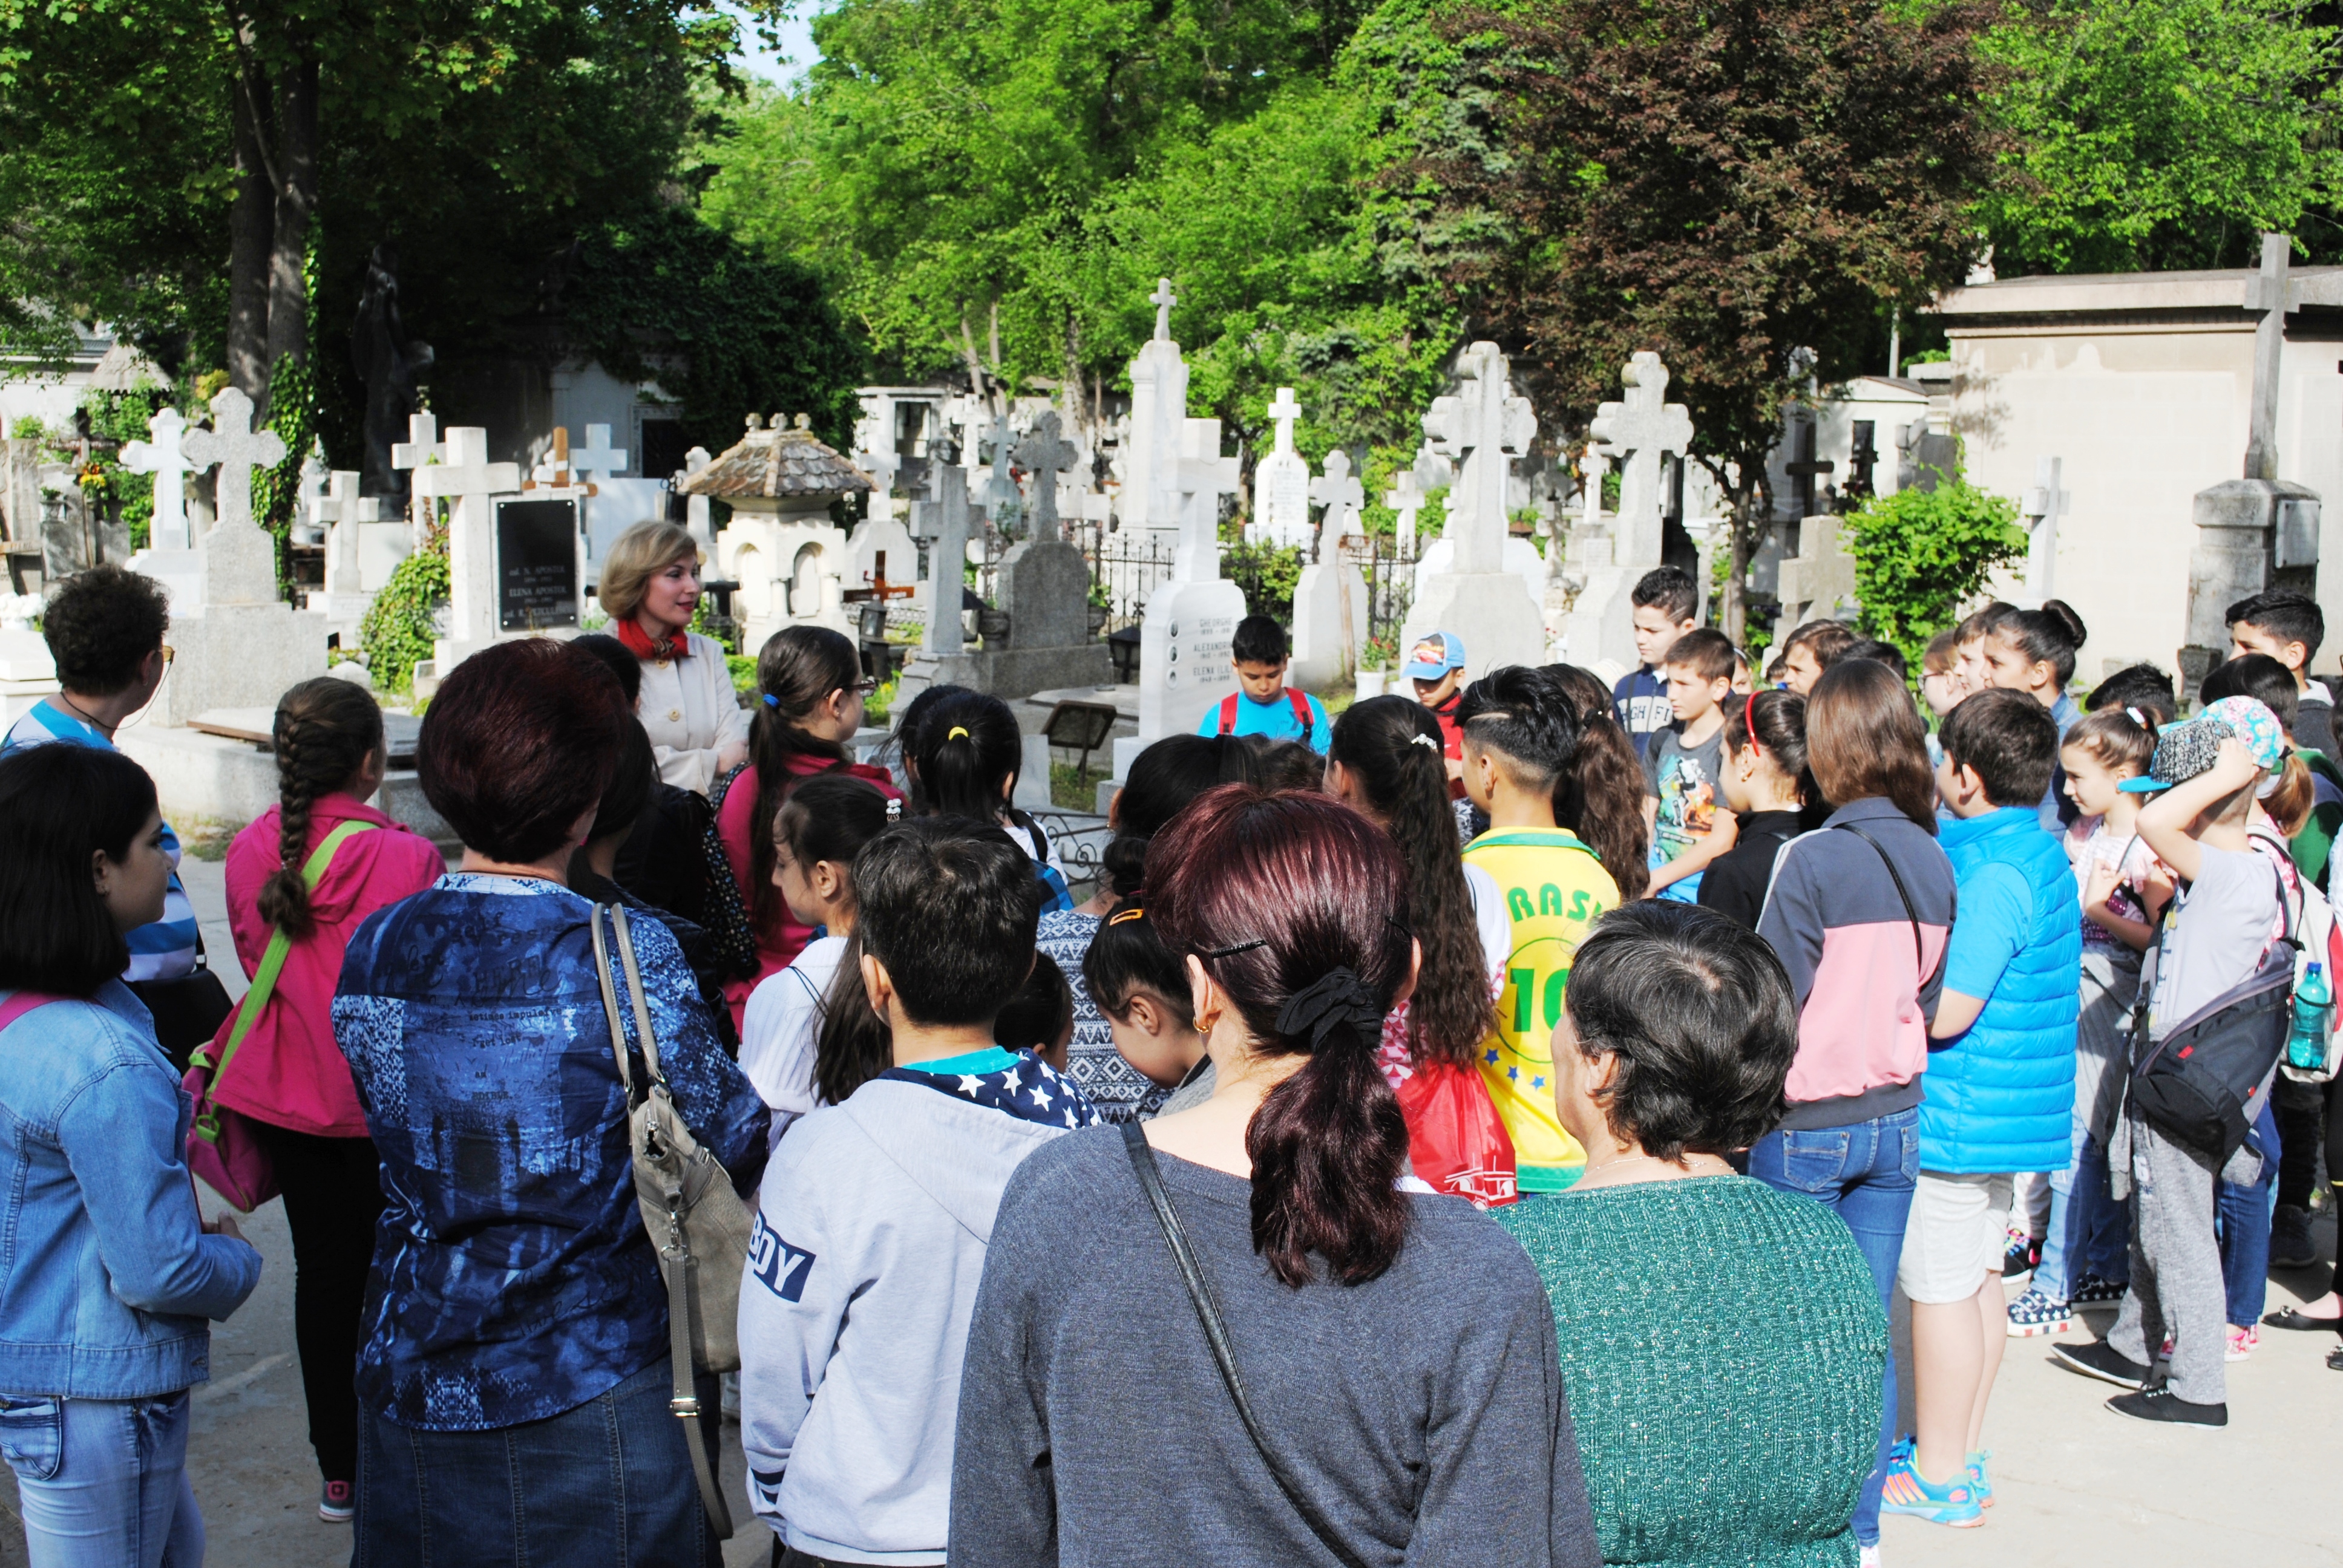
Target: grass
point(1072, 791)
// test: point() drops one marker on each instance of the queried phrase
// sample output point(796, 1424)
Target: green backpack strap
point(272, 963)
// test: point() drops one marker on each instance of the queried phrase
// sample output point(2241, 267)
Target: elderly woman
point(650, 586)
point(513, 1372)
point(1721, 1341)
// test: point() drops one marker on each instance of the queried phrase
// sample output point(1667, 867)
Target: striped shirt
point(165, 950)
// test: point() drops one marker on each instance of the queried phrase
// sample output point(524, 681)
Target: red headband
point(1749, 722)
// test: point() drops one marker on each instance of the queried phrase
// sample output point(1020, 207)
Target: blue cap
point(1434, 656)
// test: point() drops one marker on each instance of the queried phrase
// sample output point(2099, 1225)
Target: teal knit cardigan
point(1723, 1347)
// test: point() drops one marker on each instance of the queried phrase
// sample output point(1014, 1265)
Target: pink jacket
point(288, 1072)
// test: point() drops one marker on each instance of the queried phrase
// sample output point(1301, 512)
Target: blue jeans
point(608, 1482)
point(2087, 1226)
point(1865, 1173)
point(2242, 1214)
point(102, 1483)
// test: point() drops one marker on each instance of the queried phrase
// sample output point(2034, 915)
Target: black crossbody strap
point(1919, 952)
point(1216, 1334)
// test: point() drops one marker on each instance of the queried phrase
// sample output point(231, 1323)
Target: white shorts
point(1956, 1236)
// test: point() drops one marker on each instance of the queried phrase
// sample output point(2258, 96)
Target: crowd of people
point(1327, 1179)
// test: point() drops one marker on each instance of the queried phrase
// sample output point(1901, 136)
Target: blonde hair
point(636, 557)
point(2289, 804)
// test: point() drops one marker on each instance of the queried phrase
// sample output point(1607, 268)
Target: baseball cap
point(2184, 750)
point(1434, 656)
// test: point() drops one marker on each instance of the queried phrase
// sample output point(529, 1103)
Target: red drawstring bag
point(1456, 1142)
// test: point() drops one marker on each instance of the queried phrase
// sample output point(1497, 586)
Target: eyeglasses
point(866, 687)
point(168, 656)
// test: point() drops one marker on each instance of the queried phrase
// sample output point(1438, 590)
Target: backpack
point(1301, 712)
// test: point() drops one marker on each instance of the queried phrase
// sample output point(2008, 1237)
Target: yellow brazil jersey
point(1553, 888)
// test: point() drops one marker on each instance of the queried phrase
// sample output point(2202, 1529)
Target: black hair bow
point(1337, 999)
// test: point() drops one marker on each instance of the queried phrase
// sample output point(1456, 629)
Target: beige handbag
point(694, 1217)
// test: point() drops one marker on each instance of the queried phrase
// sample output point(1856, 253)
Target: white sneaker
point(1867, 1556)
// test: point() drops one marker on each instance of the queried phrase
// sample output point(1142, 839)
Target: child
point(1435, 666)
point(2222, 929)
point(964, 762)
point(1969, 644)
point(821, 828)
point(1743, 683)
point(2288, 626)
point(2000, 1095)
point(1664, 604)
point(1599, 796)
point(2271, 684)
point(1262, 703)
point(1039, 1019)
point(2033, 651)
point(1812, 649)
point(1520, 735)
point(874, 1214)
point(1940, 683)
point(2138, 686)
point(1142, 989)
point(1289, 765)
point(1765, 787)
point(1681, 766)
point(2120, 883)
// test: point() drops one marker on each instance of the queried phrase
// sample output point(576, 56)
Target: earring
point(1205, 1025)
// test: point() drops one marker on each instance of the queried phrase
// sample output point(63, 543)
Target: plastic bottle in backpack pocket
point(2305, 1041)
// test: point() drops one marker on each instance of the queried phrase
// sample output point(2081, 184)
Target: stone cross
point(239, 558)
point(468, 479)
point(1819, 580)
point(944, 637)
point(163, 458)
point(1406, 498)
point(2040, 511)
point(1000, 496)
point(341, 511)
point(2265, 292)
point(1483, 425)
point(1045, 454)
point(1164, 299)
point(1647, 429)
point(1591, 469)
point(1281, 480)
point(1202, 478)
point(1341, 495)
point(598, 457)
point(421, 449)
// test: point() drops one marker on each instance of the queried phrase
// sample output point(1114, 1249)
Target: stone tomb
point(782, 546)
point(1482, 429)
point(1329, 601)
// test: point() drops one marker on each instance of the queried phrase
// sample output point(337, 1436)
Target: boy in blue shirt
point(1666, 605)
point(2001, 1086)
point(1262, 703)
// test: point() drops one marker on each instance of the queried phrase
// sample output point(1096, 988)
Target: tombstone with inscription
point(1481, 428)
point(1280, 483)
point(1329, 601)
point(537, 565)
point(782, 546)
point(1602, 566)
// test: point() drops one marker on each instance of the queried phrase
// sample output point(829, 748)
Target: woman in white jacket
point(650, 588)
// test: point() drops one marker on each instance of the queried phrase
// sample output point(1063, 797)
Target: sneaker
point(2094, 1291)
point(2161, 1404)
point(2100, 1360)
point(2243, 1341)
point(2020, 1256)
point(1954, 1503)
point(1979, 1479)
point(2036, 1313)
point(336, 1506)
point(1866, 1557)
point(2290, 1246)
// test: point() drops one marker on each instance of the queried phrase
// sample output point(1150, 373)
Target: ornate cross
point(1484, 425)
point(163, 458)
point(1341, 495)
point(1044, 455)
point(1164, 299)
point(1647, 429)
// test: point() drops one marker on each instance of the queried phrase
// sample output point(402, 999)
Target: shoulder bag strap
point(24, 1001)
point(1216, 1334)
point(272, 959)
point(611, 1001)
point(643, 1029)
point(1919, 951)
point(1302, 715)
point(1228, 714)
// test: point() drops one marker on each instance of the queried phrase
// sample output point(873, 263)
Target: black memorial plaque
point(537, 565)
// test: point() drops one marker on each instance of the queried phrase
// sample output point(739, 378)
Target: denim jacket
point(106, 1275)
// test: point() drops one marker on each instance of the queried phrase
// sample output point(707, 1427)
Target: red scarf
point(638, 643)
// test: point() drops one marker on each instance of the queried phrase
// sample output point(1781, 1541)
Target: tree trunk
point(296, 199)
point(1736, 608)
point(250, 222)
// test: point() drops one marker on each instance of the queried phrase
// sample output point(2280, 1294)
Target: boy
point(2217, 932)
point(872, 1224)
point(2001, 1094)
point(1436, 667)
point(1519, 734)
point(1262, 703)
point(1682, 768)
point(1664, 603)
point(2289, 627)
point(2140, 686)
point(1812, 649)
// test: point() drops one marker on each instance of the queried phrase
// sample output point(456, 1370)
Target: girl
point(1766, 786)
point(821, 828)
point(811, 690)
point(307, 873)
point(1969, 644)
point(2033, 651)
point(965, 760)
point(1601, 799)
point(1140, 988)
point(1941, 685)
point(1039, 1019)
point(2085, 1258)
point(112, 1272)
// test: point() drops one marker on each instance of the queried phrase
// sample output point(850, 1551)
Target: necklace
point(1655, 1160)
point(91, 719)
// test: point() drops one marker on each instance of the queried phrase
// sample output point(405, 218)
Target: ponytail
point(854, 1044)
point(325, 731)
point(2289, 803)
point(967, 744)
point(797, 670)
point(1599, 796)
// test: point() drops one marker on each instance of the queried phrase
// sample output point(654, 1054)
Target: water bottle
point(2305, 1042)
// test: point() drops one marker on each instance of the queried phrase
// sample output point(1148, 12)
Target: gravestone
point(308, 528)
point(1201, 477)
point(1151, 497)
point(421, 449)
point(170, 557)
point(1044, 587)
point(236, 643)
point(1605, 563)
point(537, 565)
point(1281, 483)
point(598, 460)
point(1405, 497)
point(356, 537)
point(1481, 428)
point(1329, 601)
point(2038, 512)
point(467, 478)
point(1819, 582)
point(698, 516)
point(945, 634)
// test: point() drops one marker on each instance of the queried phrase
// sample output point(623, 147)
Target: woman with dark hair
point(1290, 915)
point(1768, 787)
point(1859, 913)
point(810, 688)
point(1677, 1032)
point(1601, 796)
point(1163, 779)
point(514, 1378)
point(111, 1270)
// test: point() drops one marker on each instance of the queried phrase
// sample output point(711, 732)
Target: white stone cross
point(1203, 476)
point(1342, 495)
point(421, 449)
point(2041, 509)
point(163, 458)
point(468, 479)
point(1647, 429)
point(341, 511)
point(1407, 499)
point(945, 637)
point(1284, 411)
point(312, 522)
point(1164, 299)
point(1281, 482)
point(1591, 469)
point(1045, 454)
point(598, 458)
point(239, 558)
point(1485, 425)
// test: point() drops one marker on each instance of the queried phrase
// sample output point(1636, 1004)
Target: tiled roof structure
point(777, 463)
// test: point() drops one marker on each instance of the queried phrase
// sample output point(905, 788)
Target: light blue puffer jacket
point(2002, 1096)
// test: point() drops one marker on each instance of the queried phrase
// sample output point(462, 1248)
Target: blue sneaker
point(1978, 1479)
point(2036, 1313)
point(1954, 1503)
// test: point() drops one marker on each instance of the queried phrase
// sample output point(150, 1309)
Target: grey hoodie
point(869, 1244)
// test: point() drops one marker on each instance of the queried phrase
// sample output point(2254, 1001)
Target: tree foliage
point(1918, 553)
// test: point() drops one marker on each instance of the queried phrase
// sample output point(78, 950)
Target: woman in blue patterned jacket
point(513, 1381)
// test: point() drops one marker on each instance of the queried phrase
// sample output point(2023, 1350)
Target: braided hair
point(325, 731)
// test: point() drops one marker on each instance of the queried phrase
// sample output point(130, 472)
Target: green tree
point(1919, 552)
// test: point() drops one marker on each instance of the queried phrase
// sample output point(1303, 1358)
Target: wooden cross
point(554, 472)
point(1044, 455)
point(163, 458)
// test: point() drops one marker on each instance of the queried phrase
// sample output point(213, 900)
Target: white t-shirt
point(780, 1029)
point(2218, 927)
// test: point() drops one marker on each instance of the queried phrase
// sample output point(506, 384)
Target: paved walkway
point(2077, 1485)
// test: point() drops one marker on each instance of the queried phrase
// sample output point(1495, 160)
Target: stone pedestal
point(1322, 653)
point(1045, 591)
point(1494, 612)
point(2251, 534)
point(1598, 627)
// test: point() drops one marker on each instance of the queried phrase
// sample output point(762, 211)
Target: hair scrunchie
point(1337, 999)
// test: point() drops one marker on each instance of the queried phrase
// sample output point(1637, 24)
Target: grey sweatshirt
point(1423, 1411)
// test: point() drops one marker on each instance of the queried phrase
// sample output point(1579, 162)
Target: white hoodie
point(869, 1244)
